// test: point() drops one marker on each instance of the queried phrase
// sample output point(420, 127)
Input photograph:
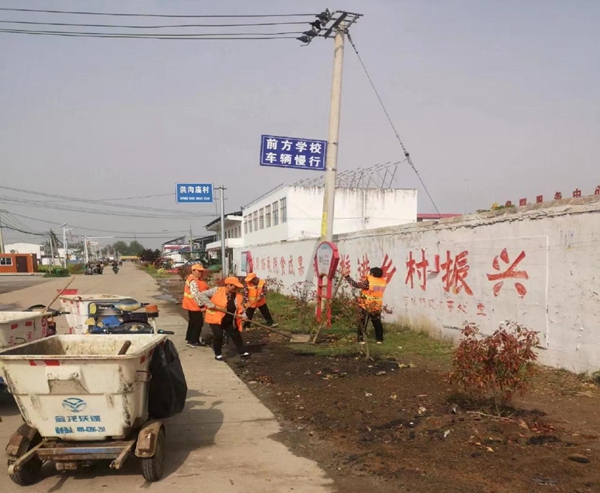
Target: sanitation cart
point(83, 398)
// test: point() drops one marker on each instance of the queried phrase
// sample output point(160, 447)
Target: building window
point(255, 217)
point(261, 219)
point(267, 216)
point(250, 223)
point(246, 225)
point(6, 261)
point(275, 213)
point(283, 207)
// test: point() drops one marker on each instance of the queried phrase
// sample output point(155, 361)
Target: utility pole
point(333, 136)
point(85, 250)
point(1, 237)
point(51, 268)
point(191, 244)
point(224, 270)
point(341, 22)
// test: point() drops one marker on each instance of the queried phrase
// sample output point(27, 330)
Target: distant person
point(255, 296)
point(225, 313)
point(371, 288)
point(194, 285)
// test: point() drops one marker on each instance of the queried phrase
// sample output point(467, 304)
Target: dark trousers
point(375, 320)
point(228, 327)
point(264, 310)
point(195, 323)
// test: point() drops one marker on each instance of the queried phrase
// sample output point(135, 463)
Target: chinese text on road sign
point(194, 193)
point(289, 152)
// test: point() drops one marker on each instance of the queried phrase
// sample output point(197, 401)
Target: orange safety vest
point(372, 299)
point(254, 292)
point(188, 302)
point(220, 301)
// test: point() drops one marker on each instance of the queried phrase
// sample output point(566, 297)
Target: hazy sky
point(495, 100)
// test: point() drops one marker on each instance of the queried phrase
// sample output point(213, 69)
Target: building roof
point(218, 220)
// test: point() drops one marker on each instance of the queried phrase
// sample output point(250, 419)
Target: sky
point(495, 101)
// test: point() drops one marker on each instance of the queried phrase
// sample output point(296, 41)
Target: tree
point(121, 247)
point(149, 255)
point(136, 248)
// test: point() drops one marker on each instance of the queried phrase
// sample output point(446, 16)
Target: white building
point(25, 248)
point(295, 212)
point(234, 236)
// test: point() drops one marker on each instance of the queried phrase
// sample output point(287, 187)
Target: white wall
point(274, 233)
point(25, 248)
point(553, 286)
point(355, 209)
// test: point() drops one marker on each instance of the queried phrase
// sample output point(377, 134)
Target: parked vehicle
point(92, 268)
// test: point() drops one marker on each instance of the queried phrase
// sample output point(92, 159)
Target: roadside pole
point(334, 135)
point(85, 250)
point(224, 266)
point(1, 237)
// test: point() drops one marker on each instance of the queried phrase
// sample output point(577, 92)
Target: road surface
point(220, 443)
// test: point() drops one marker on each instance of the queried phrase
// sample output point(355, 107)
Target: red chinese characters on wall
point(363, 267)
point(345, 264)
point(263, 263)
point(388, 268)
point(291, 269)
point(300, 266)
point(417, 268)
point(456, 271)
point(275, 266)
point(268, 264)
point(510, 272)
point(282, 263)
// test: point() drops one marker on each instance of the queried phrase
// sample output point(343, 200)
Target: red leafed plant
point(498, 365)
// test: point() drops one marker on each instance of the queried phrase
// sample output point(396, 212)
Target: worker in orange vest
point(255, 293)
point(194, 285)
point(225, 313)
point(371, 288)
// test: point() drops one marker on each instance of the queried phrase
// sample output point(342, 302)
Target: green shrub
point(58, 272)
point(76, 268)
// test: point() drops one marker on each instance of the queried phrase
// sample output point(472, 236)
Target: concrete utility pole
point(224, 270)
point(85, 250)
point(63, 226)
point(341, 22)
point(191, 244)
point(334, 135)
point(1, 237)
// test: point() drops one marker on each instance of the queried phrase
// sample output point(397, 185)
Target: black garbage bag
point(168, 388)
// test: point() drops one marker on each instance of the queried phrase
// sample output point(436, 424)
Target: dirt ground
point(394, 426)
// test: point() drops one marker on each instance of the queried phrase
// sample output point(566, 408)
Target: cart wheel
point(30, 472)
point(152, 468)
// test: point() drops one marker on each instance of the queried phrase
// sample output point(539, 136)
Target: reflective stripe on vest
point(372, 299)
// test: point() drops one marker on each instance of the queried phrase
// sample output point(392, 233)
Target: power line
point(160, 26)
point(66, 198)
point(181, 37)
point(113, 14)
point(96, 229)
point(408, 158)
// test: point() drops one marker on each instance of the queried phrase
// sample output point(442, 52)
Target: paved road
point(14, 283)
point(220, 443)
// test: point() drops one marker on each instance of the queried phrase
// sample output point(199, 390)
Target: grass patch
point(340, 339)
point(156, 273)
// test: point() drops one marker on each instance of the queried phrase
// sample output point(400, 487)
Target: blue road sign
point(290, 152)
point(188, 193)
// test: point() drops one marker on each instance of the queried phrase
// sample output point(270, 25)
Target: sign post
point(292, 152)
point(326, 262)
